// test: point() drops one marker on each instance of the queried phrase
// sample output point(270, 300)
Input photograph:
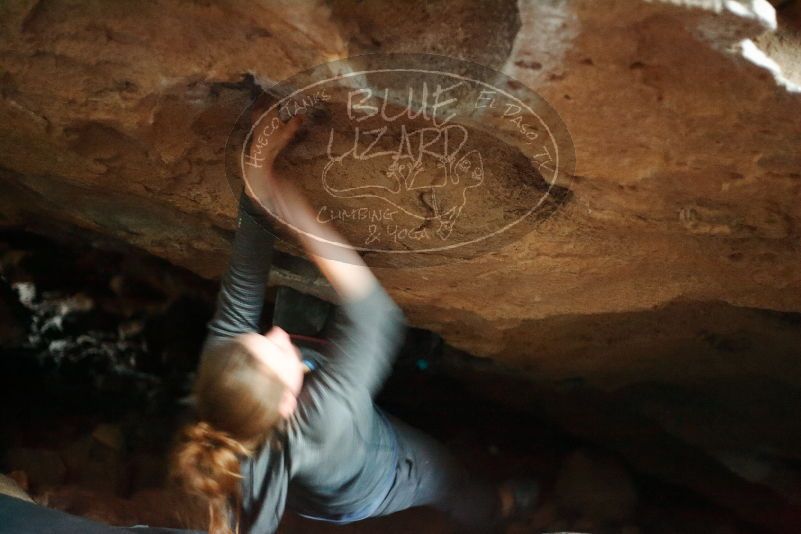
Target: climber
point(271, 434)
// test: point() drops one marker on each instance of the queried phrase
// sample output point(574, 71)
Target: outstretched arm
point(241, 296)
point(340, 264)
point(371, 327)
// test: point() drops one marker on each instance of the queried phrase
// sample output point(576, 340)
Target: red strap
point(309, 339)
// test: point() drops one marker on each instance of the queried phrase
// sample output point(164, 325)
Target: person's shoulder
point(323, 408)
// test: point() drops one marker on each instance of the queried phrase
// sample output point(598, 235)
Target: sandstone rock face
point(682, 212)
point(114, 120)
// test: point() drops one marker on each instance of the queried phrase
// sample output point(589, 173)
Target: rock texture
point(675, 259)
point(114, 120)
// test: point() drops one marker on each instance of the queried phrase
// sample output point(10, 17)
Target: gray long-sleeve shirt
point(338, 456)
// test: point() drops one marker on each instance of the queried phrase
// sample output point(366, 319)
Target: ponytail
point(237, 406)
point(207, 464)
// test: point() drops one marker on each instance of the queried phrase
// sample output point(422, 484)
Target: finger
point(293, 124)
point(289, 131)
point(285, 133)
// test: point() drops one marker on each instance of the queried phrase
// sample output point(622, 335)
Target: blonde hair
point(237, 402)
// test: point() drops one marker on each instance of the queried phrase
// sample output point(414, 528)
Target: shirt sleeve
point(241, 297)
point(335, 408)
point(366, 338)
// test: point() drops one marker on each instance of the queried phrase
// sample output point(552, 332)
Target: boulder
point(657, 288)
point(682, 115)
